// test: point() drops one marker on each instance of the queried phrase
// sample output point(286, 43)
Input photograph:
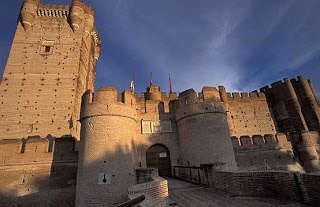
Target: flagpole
point(150, 83)
point(170, 84)
point(132, 84)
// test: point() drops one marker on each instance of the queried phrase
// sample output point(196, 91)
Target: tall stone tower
point(52, 62)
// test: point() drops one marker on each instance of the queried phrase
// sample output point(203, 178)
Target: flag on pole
point(150, 84)
point(132, 84)
point(170, 85)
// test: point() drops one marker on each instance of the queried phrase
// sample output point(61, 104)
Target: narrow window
point(47, 49)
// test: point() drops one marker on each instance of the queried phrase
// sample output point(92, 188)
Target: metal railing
point(191, 174)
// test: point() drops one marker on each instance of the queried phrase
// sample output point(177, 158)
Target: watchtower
point(51, 63)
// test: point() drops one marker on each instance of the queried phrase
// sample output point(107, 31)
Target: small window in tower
point(47, 49)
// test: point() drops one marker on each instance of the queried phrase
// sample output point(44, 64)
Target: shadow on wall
point(43, 171)
point(109, 170)
point(38, 171)
point(265, 152)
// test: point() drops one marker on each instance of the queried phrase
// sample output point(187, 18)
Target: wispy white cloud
point(242, 44)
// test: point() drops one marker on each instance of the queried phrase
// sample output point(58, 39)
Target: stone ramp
point(183, 194)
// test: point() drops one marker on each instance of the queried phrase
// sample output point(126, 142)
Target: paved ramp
point(184, 194)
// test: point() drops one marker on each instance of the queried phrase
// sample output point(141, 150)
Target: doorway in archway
point(158, 156)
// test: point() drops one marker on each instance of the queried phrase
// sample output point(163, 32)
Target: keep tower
point(52, 62)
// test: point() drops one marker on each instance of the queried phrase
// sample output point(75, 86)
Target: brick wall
point(312, 183)
point(37, 171)
point(250, 114)
point(265, 152)
point(302, 188)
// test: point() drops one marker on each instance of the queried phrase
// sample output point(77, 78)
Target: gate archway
point(158, 156)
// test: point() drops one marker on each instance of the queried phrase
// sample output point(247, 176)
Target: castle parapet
point(265, 152)
point(35, 150)
point(210, 94)
point(105, 103)
point(245, 96)
point(261, 142)
point(189, 104)
point(53, 10)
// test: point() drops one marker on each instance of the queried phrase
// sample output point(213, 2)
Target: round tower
point(224, 99)
point(89, 19)
point(308, 153)
point(203, 130)
point(153, 93)
point(29, 12)
point(106, 162)
point(77, 14)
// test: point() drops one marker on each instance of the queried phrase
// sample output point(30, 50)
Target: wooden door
point(158, 157)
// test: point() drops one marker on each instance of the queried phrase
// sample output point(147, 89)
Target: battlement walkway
point(184, 194)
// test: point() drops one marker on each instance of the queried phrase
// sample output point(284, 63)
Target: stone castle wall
point(49, 67)
point(248, 114)
point(265, 152)
point(32, 169)
point(300, 187)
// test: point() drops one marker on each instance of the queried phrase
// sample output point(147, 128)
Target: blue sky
point(242, 44)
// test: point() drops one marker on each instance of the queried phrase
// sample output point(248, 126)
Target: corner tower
point(106, 155)
point(51, 63)
point(203, 129)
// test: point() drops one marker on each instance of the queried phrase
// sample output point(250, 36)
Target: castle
point(57, 137)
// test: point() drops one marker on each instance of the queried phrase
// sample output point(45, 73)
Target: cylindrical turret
point(203, 130)
point(29, 12)
point(313, 102)
point(224, 99)
point(315, 95)
point(89, 19)
point(308, 91)
point(293, 102)
point(77, 14)
point(106, 162)
point(307, 153)
point(97, 50)
point(153, 93)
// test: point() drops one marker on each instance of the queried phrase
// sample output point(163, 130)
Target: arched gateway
point(158, 156)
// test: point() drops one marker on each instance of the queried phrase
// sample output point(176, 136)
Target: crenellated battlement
point(261, 142)
point(79, 14)
point(235, 96)
point(191, 104)
point(37, 150)
point(53, 10)
point(281, 83)
point(107, 103)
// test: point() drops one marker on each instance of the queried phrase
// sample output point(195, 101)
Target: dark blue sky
point(241, 44)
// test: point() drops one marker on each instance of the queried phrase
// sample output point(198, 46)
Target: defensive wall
point(38, 170)
point(265, 152)
point(300, 187)
point(248, 113)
